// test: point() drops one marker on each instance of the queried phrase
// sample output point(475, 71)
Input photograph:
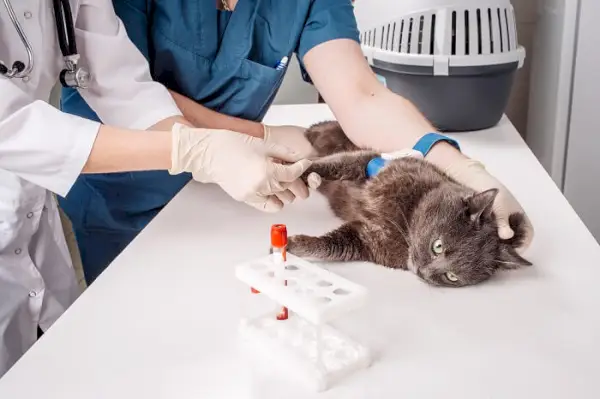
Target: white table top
point(162, 321)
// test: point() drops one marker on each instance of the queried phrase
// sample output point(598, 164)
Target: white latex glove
point(291, 137)
point(473, 174)
point(240, 164)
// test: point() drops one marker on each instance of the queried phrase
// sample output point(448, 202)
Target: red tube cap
point(278, 235)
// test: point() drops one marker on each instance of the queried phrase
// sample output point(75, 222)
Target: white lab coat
point(42, 150)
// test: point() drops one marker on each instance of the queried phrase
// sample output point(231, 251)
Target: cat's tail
point(329, 138)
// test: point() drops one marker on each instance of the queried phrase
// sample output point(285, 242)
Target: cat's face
point(454, 240)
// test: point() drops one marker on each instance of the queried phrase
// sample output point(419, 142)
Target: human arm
point(122, 91)
point(374, 117)
point(49, 148)
point(201, 116)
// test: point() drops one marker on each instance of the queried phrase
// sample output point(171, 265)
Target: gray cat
point(409, 216)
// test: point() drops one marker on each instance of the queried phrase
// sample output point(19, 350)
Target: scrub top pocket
point(255, 86)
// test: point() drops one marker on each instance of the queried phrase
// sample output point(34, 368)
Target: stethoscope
point(73, 75)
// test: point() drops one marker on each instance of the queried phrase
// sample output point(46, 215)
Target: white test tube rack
point(304, 345)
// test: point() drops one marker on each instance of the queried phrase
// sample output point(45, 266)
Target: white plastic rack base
point(304, 345)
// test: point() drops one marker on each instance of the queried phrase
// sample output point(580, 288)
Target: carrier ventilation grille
point(468, 32)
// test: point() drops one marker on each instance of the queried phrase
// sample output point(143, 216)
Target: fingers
point(299, 189)
point(281, 152)
point(285, 196)
point(296, 189)
point(270, 204)
point(314, 180)
point(290, 173)
point(504, 230)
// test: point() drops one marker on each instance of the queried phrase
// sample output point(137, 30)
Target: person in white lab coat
point(43, 150)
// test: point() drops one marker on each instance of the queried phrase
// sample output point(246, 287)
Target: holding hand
point(291, 137)
point(474, 175)
point(241, 165)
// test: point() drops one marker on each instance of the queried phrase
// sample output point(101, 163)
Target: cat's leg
point(343, 244)
point(350, 166)
point(329, 138)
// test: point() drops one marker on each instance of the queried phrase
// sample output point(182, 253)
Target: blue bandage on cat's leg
point(342, 166)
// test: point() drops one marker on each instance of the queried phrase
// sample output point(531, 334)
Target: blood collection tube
point(278, 249)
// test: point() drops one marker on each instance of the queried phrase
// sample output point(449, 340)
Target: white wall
point(293, 89)
point(518, 106)
point(581, 183)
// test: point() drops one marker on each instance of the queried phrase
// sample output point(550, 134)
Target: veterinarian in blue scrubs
point(224, 62)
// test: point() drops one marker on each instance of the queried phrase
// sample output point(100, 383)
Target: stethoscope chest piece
point(73, 75)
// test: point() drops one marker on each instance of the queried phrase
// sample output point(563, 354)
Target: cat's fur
point(394, 218)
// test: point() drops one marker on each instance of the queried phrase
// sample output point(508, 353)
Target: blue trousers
point(108, 211)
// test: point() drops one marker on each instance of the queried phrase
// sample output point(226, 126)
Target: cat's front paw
point(301, 245)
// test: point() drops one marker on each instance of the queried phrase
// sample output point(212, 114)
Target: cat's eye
point(451, 277)
point(437, 247)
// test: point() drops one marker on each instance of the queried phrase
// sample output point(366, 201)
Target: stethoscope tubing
point(66, 38)
point(12, 72)
point(64, 27)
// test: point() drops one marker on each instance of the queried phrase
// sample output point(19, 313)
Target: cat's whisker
point(402, 233)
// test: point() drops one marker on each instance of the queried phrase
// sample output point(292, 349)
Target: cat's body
point(408, 216)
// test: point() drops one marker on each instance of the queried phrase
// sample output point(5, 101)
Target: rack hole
point(340, 291)
point(291, 267)
point(322, 299)
point(323, 283)
point(393, 35)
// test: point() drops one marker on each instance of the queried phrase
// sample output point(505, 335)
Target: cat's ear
point(510, 259)
point(480, 205)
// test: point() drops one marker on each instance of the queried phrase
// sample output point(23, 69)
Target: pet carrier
point(455, 60)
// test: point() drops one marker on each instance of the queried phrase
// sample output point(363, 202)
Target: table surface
point(162, 321)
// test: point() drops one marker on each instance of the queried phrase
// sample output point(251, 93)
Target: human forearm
point(371, 115)
point(167, 124)
point(387, 122)
point(123, 150)
point(203, 117)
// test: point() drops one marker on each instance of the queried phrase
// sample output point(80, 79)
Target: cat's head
point(454, 240)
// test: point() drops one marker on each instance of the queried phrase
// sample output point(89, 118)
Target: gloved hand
point(474, 175)
point(291, 137)
point(240, 164)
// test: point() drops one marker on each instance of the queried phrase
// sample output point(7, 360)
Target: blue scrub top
point(223, 60)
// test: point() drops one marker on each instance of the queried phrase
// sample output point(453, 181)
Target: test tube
point(278, 250)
